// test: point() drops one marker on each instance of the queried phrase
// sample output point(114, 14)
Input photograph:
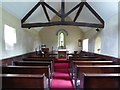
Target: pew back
point(87, 58)
point(100, 81)
point(23, 82)
point(98, 69)
point(34, 63)
point(26, 70)
point(74, 63)
point(92, 62)
point(39, 59)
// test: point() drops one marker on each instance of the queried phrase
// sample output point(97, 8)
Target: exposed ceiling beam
point(52, 9)
point(62, 11)
point(72, 9)
point(79, 11)
point(30, 12)
point(30, 25)
point(62, 15)
point(94, 12)
point(45, 11)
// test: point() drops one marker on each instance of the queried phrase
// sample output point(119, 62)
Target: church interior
point(59, 45)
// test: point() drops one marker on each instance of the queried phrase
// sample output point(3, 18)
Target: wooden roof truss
point(62, 16)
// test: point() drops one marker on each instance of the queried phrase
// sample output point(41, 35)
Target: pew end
point(99, 81)
point(23, 82)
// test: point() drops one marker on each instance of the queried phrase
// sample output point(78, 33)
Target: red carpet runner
point(61, 77)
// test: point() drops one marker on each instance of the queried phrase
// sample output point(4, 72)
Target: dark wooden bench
point(23, 82)
point(74, 63)
point(39, 59)
point(35, 63)
point(27, 70)
point(100, 81)
point(92, 62)
point(86, 58)
point(80, 69)
point(77, 59)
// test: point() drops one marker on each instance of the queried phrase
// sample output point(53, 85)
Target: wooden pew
point(35, 63)
point(27, 70)
point(86, 58)
point(23, 82)
point(80, 69)
point(92, 63)
point(39, 59)
point(74, 63)
point(100, 81)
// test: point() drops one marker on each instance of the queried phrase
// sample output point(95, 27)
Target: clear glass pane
point(61, 39)
point(9, 37)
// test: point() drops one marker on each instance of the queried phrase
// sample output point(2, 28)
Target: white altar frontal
point(62, 53)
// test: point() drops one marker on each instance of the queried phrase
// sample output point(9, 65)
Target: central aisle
point(61, 77)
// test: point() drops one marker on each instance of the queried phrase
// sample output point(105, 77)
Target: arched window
point(61, 40)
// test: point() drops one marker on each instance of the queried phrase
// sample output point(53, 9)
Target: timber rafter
point(62, 15)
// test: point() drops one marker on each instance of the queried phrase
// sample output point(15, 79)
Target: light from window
point(85, 45)
point(97, 45)
point(9, 37)
point(61, 40)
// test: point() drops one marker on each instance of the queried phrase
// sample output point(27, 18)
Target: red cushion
point(60, 75)
point(61, 83)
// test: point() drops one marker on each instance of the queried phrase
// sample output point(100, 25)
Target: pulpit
point(46, 51)
point(62, 53)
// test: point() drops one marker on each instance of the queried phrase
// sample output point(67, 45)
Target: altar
point(62, 53)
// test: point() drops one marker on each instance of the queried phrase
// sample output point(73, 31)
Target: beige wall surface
point(109, 37)
point(26, 38)
point(91, 35)
point(48, 36)
point(0, 30)
point(119, 29)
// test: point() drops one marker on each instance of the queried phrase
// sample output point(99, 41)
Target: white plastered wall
point(0, 30)
point(26, 38)
point(48, 36)
point(119, 29)
point(109, 37)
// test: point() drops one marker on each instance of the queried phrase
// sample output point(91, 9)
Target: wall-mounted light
point(79, 43)
point(97, 30)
